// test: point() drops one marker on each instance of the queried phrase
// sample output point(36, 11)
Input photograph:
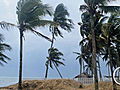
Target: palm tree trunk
point(114, 84)
point(80, 62)
point(58, 70)
point(100, 74)
point(94, 55)
point(46, 74)
point(20, 66)
point(53, 37)
point(119, 75)
point(83, 66)
point(108, 69)
point(94, 62)
point(110, 58)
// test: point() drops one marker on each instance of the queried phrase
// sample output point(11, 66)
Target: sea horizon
point(6, 81)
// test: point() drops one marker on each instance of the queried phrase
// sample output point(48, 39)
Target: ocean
point(6, 81)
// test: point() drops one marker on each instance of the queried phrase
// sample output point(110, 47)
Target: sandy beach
point(58, 84)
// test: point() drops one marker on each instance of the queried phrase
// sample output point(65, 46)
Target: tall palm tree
point(30, 13)
point(60, 17)
point(95, 9)
point(86, 43)
point(3, 47)
point(111, 34)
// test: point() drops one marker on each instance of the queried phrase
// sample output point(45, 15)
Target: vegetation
point(92, 20)
point(29, 17)
point(3, 47)
point(99, 28)
point(63, 22)
point(54, 59)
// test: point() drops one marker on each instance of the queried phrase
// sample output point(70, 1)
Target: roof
point(83, 75)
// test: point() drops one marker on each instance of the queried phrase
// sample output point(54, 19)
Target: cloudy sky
point(35, 48)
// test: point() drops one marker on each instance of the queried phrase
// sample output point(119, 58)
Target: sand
point(58, 84)
point(53, 84)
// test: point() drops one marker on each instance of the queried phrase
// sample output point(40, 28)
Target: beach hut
point(83, 75)
point(84, 78)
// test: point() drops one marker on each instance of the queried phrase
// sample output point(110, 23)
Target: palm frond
point(4, 47)
point(111, 9)
point(1, 37)
point(83, 7)
point(6, 25)
point(37, 23)
point(58, 62)
point(57, 32)
point(3, 56)
point(2, 60)
point(61, 10)
point(29, 10)
point(60, 17)
point(76, 53)
point(37, 33)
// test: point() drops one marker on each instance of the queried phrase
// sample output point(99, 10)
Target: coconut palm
point(111, 34)
point(3, 47)
point(60, 17)
point(81, 61)
point(86, 43)
point(30, 13)
point(85, 62)
point(95, 9)
point(54, 59)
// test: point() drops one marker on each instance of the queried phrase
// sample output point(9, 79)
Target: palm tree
point(95, 9)
point(86, 43)
point(30, 13)
point(54, 59)
point(60, 17)
point(111, 34)
point(81, 61)
point(3, 47)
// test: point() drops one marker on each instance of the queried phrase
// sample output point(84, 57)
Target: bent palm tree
point(54, 59)
point(30, 13)
point(60, 17)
